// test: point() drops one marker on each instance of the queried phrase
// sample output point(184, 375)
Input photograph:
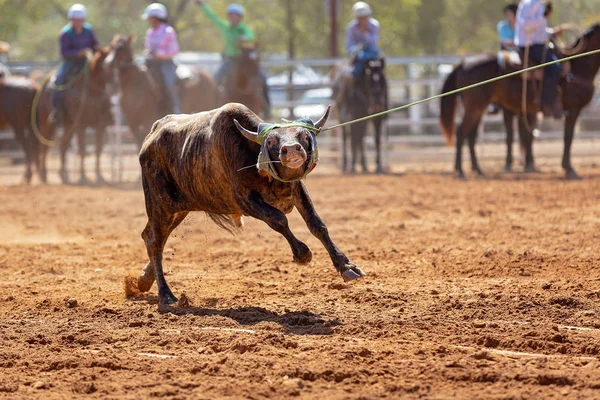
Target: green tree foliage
point(409, 27)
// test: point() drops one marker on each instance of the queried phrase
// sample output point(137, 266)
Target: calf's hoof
point(352, 272)
point(168, 299)
point(144, 284)
point(304, 255)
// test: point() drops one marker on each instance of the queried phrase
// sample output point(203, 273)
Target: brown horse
point(242, 84)
point(87, 105)
point(16, 100)
point(576, 94)
point(141, 94)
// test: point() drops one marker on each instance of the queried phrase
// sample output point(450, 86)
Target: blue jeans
point(66, 69)
point(551, 72)
point(365, 55)
point(225, 69)
point(168, 71)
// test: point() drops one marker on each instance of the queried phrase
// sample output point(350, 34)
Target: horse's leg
point(460, 138)
point(64, 146)
point(377, 123)
point(20, 137)
point(363, 157)
point(43, 163)
point(568, 141)
point(82, 150)
point(526, 138)
point(508, 123)
point(472, 138)
point(36, 151)
point(354, 147)
point(99, 147)
point(344, 155)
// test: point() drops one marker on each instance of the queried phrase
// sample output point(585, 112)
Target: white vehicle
point(313, 104)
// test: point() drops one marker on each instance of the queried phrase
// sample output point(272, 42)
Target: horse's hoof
point(481, 175)
point(100, 181)
point(83, 181)
point(64, 177)
point(530, 169)
point(572, 175)
point(379, 171)
point(460, 175)
point(508, 168)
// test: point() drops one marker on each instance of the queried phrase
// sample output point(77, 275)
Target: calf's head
point(289, 151)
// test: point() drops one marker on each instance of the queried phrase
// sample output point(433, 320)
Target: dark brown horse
point(242, 85)
point(576, 94)
point(17, 96)
point(367, 95)
point(87, 105)
point(141, 95)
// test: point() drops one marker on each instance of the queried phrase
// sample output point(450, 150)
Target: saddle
point(512, 61)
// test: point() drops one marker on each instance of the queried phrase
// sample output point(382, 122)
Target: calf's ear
point(252, 136)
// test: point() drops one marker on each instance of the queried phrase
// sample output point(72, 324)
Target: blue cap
point(235, 8)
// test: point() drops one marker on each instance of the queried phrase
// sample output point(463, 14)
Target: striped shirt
point(531, 26)
point(162, 41)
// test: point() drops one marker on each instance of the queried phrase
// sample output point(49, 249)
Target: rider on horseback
point(532, 32)
point(362, 37)
point(161, 46)
point(77, 39)
point(235, 33)
point(362, 45)
point(506, 27)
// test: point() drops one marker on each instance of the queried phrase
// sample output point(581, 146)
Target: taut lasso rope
point(379, 114)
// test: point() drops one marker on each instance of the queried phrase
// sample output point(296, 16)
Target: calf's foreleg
point(256, 207)
point(317, 227)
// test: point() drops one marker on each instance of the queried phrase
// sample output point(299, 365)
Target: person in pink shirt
point(161, 46)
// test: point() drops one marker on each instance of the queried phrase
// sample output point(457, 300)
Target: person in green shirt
point(234, 32)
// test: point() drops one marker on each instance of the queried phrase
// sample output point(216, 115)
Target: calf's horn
point(252, 136)
point(321, 123)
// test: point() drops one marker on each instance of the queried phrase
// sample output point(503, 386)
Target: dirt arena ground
point(476, 289)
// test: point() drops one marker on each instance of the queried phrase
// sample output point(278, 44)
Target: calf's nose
point(290, 147)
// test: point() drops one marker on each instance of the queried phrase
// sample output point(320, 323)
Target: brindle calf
point(197, 163)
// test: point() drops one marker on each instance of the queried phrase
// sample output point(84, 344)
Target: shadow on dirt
point(295, 322)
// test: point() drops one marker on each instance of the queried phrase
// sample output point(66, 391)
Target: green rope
point(368, 117)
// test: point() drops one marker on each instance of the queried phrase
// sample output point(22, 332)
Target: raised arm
point(218, 21)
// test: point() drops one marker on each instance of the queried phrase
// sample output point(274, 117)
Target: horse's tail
point(448, 105)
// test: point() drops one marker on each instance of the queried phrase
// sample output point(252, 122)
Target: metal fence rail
point(415, 127)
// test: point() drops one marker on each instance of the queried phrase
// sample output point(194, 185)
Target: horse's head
point(593, 37)
point(376, 84)
point(121, 54)
point(100, 74)
point(249, 59)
